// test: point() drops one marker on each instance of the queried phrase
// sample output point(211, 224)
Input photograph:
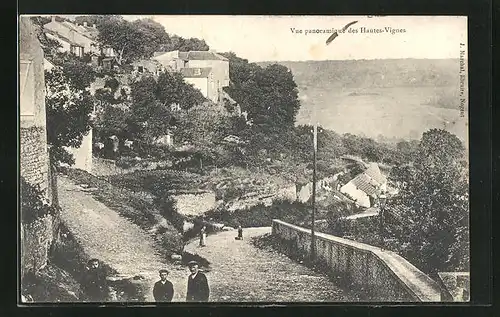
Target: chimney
point(53, 18)
point(84, 23)
point(94, 26)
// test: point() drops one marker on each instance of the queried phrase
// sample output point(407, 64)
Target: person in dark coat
point(197, 290)
point(163, 291)
point(94, 282)
point(240, 233)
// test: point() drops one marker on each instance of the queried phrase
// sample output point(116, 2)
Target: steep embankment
point(115, 240)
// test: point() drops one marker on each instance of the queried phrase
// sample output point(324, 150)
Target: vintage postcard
point(260, 159)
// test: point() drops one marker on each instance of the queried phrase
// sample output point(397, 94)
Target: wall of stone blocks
point(36, 240)
point(194, 204)
point(34, 161)
point(379, 274)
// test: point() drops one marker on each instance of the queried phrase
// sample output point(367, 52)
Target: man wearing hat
point(163, 291)
point(94, 282)
point(197, 290)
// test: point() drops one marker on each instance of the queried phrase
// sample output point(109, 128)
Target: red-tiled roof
point(193, 72)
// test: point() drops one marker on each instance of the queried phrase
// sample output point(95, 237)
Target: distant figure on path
point(240, 233)
point(197, 289)
point(115, 142)
point(163, 291)
point(203, 236)
point(94, 282)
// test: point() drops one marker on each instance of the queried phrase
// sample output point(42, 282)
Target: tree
point(184, 45)
point(151, 101)
point(433, 199)
point(69, 106)
point(152, 34)
point(123, 37)
point(141, 38)
point(111, 121)
point(407, 151)
point(270, 98)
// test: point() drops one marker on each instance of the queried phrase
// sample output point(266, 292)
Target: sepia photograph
point(258, 159)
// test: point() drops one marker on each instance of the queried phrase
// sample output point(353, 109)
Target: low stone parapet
point(382, 274)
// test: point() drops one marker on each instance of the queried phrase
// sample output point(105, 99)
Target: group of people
point(96, 289)
point(203, 235)
point(95, 286)
point(197, 289)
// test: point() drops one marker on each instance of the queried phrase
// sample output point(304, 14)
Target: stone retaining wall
point(36, 240)
point(194, 204)
point(382, 274)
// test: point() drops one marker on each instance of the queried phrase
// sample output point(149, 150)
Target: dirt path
point(241, 272)
point(116, 241)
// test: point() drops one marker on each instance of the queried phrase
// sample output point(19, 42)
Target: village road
point(238, 270)
point(241, 272)
point(115, 240)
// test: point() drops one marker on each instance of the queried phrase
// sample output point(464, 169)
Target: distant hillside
point(375, 73)
point(398, 98)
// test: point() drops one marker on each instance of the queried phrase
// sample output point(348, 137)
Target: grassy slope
point(134, 206)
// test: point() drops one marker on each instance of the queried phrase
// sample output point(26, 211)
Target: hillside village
point(207, 71)
point(215, 161)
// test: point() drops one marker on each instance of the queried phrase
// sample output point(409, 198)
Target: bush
point(34, 205)
point(171, 241)
point(112, 83)
point(126, 162)
point(167, 210)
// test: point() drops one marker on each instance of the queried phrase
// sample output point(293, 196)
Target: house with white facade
point(202, 79)
point(206, 70)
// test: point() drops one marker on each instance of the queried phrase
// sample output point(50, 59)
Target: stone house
point(66, 45)
point(35, 238)
point(218, 63)
point(34, 159)
point(75, 38)
point(81, 36)
point(202, 79)
point(203, 60)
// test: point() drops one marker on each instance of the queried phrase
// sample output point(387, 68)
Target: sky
point(269, 38)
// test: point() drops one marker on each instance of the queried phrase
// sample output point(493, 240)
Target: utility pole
point(315, 149)
point(382, 204)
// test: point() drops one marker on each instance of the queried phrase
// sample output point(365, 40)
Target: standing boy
point(163, 291)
